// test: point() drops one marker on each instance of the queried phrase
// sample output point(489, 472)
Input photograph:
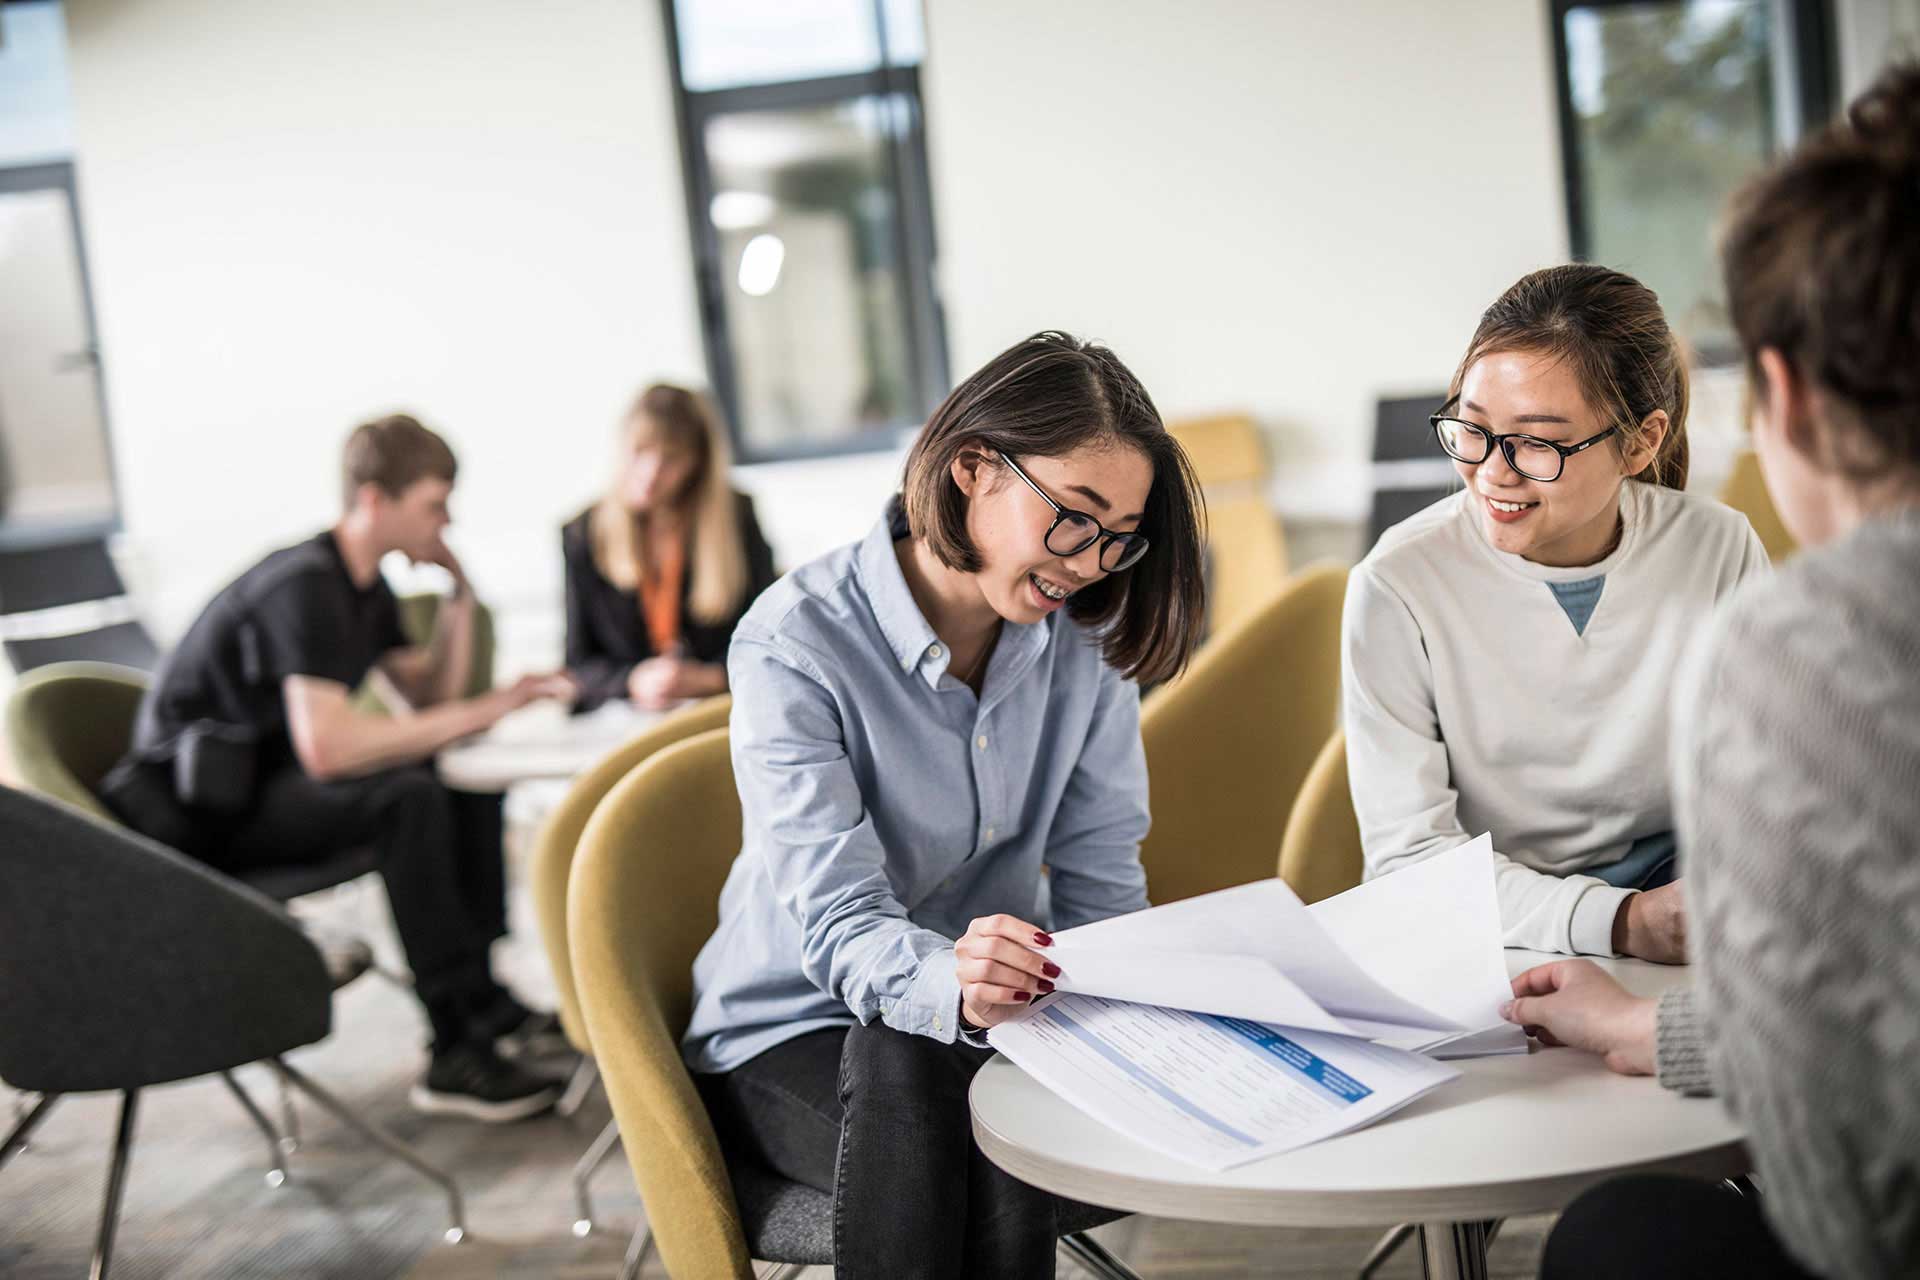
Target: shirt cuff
point(975, 1036)
point(932, 1006)
point(1680, 1044)
point(1590, 933)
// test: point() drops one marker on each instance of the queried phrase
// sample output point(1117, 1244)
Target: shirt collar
point(909, 635)
point(332, 544)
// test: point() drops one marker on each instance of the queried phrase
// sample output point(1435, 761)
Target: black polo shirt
point(296, 613)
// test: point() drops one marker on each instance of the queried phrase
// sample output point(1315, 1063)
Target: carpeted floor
point(197, 1206)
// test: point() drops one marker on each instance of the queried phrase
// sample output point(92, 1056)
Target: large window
point(1665, 107)
point(807, 191)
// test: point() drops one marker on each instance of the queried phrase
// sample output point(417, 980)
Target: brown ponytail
point(1609, 330)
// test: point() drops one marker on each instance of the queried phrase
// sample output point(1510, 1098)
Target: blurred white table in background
point(541, 743)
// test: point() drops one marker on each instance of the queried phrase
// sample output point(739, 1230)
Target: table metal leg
point(1454, 1250)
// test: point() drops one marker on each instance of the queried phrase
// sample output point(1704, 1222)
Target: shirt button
point(934, 652)
point(936, 1022)
point(981, 742)
point(989, 833)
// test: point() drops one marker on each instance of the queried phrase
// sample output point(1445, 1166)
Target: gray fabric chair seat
point(790, 1222)
point(783, 1221)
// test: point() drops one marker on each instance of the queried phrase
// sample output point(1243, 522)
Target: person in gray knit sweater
point(1797, 766)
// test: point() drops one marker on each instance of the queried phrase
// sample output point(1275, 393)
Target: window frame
point(914, 245)
point(58, 175)
point(1808, 38)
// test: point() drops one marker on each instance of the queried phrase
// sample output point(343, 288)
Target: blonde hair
point(680, 420)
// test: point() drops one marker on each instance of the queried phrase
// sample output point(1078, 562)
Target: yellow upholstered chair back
point(1246, 549)
point(559, 839)
point(1230, 741)
point(1746, 492)
point(643, 899)
point(68, 723)
point(1320, 854)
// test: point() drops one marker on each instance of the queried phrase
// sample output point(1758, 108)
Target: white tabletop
point(538, 742)
point(1515, 1134)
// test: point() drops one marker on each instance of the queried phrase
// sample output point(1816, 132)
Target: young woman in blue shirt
point(926, 723)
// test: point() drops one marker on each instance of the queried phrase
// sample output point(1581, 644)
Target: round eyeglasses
point(1532, 457)
point(1074, 531)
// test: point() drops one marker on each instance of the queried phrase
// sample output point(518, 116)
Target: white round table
point(1513, 1135)
point(540, 742)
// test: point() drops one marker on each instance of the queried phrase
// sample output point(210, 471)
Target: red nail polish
point(1020, 995)
point(1045, 940)
point(1045, 986)
point(1051, 969)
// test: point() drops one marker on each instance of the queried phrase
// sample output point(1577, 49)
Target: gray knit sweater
point(1797, 793)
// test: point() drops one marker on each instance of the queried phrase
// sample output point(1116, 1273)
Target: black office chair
point(37, 579)
point(1409, 471)
point(128, 965)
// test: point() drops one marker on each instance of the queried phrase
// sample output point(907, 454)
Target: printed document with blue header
point(1242, 1023)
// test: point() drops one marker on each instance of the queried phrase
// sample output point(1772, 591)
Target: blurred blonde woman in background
point(661, 568)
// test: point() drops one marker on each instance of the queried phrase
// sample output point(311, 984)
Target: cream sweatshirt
point(1484, 692)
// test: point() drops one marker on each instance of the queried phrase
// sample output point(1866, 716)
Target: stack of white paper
point(1241, 1023)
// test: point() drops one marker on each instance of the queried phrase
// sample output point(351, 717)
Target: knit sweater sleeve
point(1680, 1044)
point(1797, 774)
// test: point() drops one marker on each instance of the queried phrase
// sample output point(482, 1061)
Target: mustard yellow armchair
point(1246, 548)
point(554, 848)
point(1229, 743)
point(642, 900)
point(1746, 492)
point(1320, 855)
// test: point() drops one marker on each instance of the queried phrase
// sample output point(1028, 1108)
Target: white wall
point(301, 215)
point(1290, 208)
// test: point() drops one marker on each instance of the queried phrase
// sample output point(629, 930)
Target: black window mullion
point(911, 230)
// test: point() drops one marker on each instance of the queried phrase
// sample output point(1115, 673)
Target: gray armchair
point(124, 965)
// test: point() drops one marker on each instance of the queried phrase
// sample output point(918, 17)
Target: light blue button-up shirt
point(886, 807)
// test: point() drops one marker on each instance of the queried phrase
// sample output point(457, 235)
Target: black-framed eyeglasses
point(1532, 457)
point(1074, 531)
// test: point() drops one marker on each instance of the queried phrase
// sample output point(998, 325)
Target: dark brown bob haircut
point(393, 452)
point(1045, 397)
point(1821, 257)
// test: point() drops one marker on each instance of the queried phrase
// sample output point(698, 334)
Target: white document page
point(1191, 945)
point(1209, 1090)
point(1412, 960)
point(1431, 934)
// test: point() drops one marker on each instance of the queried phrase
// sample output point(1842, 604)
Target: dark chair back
point(123, 964)
point(57, 574)
point(1409, 471)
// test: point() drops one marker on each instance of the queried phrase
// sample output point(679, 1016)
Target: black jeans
point(438, 852)
point(1661, 1227)
point(878, 1119)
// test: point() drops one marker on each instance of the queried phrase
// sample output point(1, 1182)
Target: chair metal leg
point(1094, 1256)
point(116, 1186)
point(289, 1119)
point(636, 1252)
point(579, 1086)
point(276, 1168)
point(784, 1271)
point(17, 1139)
point(589, 1164)
point(1385, 1249)
point(399, 1150)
